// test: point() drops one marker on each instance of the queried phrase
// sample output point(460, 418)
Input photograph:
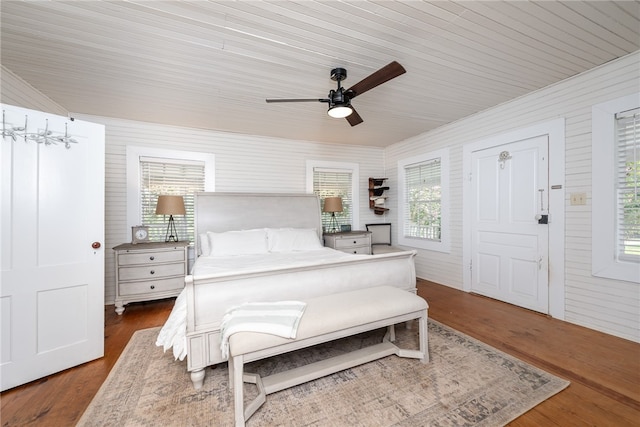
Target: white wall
point(607, 305)
point(244, 163)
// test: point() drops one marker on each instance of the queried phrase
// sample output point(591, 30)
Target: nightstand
point(148, 271)
point(352, 242)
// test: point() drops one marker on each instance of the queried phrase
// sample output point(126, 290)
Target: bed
point(234, 267)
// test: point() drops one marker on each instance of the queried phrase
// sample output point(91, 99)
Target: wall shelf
point(377, 198)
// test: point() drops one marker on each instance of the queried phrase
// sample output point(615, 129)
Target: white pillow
point(293, 239)
point(244, 242)
point(205, 248)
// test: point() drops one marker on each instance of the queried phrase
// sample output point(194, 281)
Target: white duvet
point(173, 333)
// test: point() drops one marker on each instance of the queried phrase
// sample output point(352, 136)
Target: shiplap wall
point(244, 163)
point(607, 305)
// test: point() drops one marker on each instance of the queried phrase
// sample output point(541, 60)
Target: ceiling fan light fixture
point(340, 111)
point(339, 99)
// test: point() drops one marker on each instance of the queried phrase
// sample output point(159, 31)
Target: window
point(333, 183)
point(151, 172)
point(424, 197)
point(171, 177)
point(615, 183)
point(628, 184)
point(335, 179)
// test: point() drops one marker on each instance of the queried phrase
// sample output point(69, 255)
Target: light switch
point(578, 199)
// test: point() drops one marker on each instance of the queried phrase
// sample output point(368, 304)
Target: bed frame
point(208, 297)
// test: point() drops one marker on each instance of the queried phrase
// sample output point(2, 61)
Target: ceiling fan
point(339, 100)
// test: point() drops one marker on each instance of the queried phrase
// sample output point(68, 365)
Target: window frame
point(134, 154)
point(623, 184)
point(347, 167)
point(444, 245)
point(604, 259)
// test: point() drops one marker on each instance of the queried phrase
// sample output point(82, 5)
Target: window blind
point(628, 184)
point(423, 213)
point(334, 183)
point(171, 177)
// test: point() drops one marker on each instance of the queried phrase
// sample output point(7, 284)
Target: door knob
point(96, 245)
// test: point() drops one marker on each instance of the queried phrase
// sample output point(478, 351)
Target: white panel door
point(509, 234)
point(52, 257)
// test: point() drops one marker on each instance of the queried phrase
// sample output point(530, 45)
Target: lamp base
point(172, 233)
point(333, 224)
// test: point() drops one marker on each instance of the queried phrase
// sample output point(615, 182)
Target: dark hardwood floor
point(604, 371)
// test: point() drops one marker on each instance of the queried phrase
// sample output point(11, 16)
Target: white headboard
point(219, 212)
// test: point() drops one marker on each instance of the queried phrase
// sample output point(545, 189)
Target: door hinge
point(471, 265)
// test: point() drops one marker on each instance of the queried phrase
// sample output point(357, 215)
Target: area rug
point(466, 383)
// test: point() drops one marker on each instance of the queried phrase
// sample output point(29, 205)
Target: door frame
point(555, 131)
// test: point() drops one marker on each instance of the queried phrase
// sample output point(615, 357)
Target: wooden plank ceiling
point(212, 64)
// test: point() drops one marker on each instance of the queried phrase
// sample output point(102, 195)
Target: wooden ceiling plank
point(627, 30)
point(631, 8)
point(512, 57)
point(465, 50)
point(507, 30)
point(584, 29)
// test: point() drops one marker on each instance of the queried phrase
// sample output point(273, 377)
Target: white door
point(52, 256)
point(509, 236)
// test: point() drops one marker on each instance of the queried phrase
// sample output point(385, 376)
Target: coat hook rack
point(45, 137)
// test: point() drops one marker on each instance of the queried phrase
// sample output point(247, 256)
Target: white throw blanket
point(276, 318)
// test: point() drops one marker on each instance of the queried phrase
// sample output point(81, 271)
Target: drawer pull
point(355, 241)
point(153, 272)
point(152, 286)
point(152, 258)
point(355, 252)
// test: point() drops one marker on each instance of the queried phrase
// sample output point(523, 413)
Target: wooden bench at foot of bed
point(326, 318)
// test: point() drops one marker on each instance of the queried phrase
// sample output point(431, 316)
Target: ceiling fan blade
point(384, 74)
point(354, 118)
point(297, 100)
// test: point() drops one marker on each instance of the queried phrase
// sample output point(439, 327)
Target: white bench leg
point(424, 340)
point(390, 335)
point(236, 368)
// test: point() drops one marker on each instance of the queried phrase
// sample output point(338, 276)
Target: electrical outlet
point(578, 199)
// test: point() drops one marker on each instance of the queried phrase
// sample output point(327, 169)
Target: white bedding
point(173, 333)
point(221, 265)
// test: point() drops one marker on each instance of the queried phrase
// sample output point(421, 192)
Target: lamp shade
point(332, 204)
point(170, 205)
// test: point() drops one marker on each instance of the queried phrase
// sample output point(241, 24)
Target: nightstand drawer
point(351, 242)
point(359, 250)
point(150, 257)
point(147, 287)
point(150, 271)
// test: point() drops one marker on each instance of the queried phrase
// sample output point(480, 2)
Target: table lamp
point(170, 205)
point(333, 205)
